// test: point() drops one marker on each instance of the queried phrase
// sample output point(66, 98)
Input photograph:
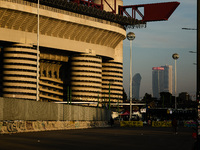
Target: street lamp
point(192, 52)
point(38, 51)
point(130, 37)
point(189, 29)
point(175, 56)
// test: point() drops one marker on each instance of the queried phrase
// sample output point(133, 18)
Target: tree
point(124, 96)
point(147, 98)
point(166, 99)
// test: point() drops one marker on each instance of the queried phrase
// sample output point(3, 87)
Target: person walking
point(111, 121)
point(175, 125)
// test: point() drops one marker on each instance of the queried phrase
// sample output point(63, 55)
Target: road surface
point(144, 138)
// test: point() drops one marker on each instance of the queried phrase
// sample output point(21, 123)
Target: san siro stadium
point(76, 54)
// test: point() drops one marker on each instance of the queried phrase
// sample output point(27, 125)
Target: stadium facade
point(80, 51)
point(80, 55)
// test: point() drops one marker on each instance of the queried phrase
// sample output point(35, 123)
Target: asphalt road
point(145, 138)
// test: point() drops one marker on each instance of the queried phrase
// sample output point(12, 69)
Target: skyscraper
point(136, 85)
point(157, 80)
point(161, 80)
point(167, 78)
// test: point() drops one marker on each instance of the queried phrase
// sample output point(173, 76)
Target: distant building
point(157, 80)
point(136, 86)
point(167, 78)
point(184, 96)
point(161, 80)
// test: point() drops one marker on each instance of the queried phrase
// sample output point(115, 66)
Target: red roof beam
point(134, 10)
point(113, 10)
point(152, 12)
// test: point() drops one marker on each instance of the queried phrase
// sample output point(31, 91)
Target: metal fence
point(16, 109)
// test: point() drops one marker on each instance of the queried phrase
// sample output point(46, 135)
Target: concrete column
point(19, 75)
point(112, 76)
point(1, 72)
point(86, 77)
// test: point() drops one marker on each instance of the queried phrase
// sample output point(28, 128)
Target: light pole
point(189, 29)
point(175, 56)
point(198, 69)
point(38, 51)
point(130, 37)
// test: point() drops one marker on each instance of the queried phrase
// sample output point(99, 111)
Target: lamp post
point(175, 56)
point(130, 37)
point(38, 51)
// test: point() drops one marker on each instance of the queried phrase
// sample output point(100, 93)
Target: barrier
point(131, 124)
point(27, 116)
point(32, 126)
point(17, 109)
point(190, 124)
point(161, 123)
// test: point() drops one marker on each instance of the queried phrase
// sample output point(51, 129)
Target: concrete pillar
point(1, 72)
point(112, 76)
point(86, 77)
point(19, 71)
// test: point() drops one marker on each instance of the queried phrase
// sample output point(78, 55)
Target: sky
point(155, 45)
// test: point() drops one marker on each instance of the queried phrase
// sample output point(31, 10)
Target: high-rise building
point(136, 86)
point(167, 78)
point(161, 80)
point(157, 80)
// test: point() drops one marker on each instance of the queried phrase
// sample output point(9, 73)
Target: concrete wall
point(15, 109)
point(35, 126)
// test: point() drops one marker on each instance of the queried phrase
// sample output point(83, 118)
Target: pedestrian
point(175, 125)
point(111, 121)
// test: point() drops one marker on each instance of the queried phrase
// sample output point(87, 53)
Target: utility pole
point(38, 50)
point(198, 68)
point(130, 37)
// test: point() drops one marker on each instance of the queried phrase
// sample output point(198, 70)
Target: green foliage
point(124, 96)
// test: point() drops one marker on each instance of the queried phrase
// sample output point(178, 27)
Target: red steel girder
point(152, 12)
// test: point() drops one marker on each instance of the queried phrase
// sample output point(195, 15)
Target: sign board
point(161, 123)
point(131, 124)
